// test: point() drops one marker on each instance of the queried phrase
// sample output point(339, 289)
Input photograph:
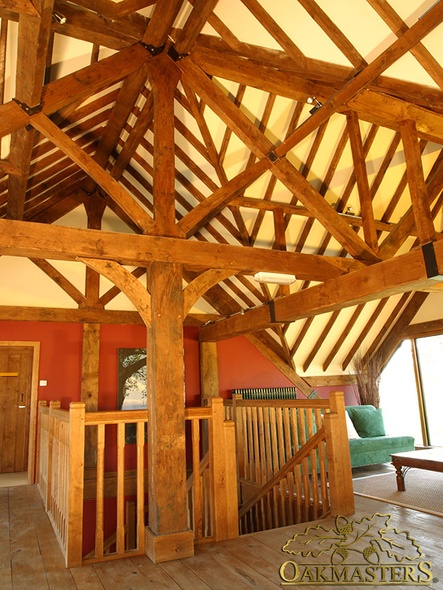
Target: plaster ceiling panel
point(304, 31)
point(408, 68)
point(24, 284)
point(69, 55)
point(75, 218)
point(10, 61)
point(239, 20)
point(432, 309)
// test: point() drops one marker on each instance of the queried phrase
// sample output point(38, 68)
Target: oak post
point(76, 484)
point(224, 474)
point(339, 457)
point(209, 381)
point(167, 536)
point(90, 366)
point(209, 371)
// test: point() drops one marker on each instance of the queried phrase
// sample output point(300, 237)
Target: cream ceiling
point(265, 58)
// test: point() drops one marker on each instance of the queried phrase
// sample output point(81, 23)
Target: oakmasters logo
point(362, 552)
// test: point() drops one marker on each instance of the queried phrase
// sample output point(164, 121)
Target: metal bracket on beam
point(175, 55)
point(152, 49)
point(272, 311)
point(313, 395)
point(432, 271)
point(272, 156)
point(29, 110)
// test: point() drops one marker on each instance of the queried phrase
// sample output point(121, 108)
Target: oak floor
point(30, 558)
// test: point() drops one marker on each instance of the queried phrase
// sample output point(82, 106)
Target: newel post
point(76, 484)
point(339, 457)
point(224, 472)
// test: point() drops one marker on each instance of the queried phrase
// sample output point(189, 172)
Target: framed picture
point(132, 391)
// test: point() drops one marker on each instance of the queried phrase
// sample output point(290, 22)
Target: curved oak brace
point(198, 287)
point(125, 281)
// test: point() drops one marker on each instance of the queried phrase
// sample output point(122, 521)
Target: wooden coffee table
point(430, 459)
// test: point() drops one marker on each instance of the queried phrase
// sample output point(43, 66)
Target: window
point(411, 390)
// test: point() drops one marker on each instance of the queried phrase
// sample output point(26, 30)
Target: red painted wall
point(240, 363)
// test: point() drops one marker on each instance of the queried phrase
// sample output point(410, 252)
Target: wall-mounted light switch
point(43, 383)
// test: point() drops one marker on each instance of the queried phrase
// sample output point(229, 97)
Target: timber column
point(167, 535)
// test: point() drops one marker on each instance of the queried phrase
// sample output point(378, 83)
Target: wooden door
point(15, 406)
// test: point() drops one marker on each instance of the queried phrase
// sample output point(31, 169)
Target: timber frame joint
point(430, 259)
point(175, 55)
point(28, 109)
point(272, 156)
point(152, 49)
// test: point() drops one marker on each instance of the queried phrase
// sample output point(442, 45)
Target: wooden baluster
point(52, 406)
point(141, 486)
point(120, 488)
point(197, 495)
point(76, 484)
point(100, 489)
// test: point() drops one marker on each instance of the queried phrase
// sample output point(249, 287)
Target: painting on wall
point(132, 391)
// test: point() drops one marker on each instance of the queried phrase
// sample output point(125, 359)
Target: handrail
point(61, 477)
point(283, 472)
point(293, 460)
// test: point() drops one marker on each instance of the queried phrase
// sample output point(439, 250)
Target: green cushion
point(368, 421)
point(368, 451)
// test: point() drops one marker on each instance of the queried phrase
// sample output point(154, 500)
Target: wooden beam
point(90, 166)
point(126, 281)
point(289, 209)
point(419, 51)
point(417, 185)
point(127, 97)
point(26, 7)
point(161, 21)
point(93, 78)
point(408, 272)
point(84, 24)
point(257, 142)
point(202, 283)
point(167, 535)
point(402, 230)
point(394, 52)
point(33, 40)
point(115, 9)
point(77, 86)
point(220, 198)
point(89, 395)
point(201, 11)
point(60, 280)
point(381, 105)
point(164, 76)
point(67, 315)
point(36, 240)
point(284, 368)
point(210, 384)
point(396, 335)
point(361, 176)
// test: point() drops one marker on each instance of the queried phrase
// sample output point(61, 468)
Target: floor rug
point(424, 490)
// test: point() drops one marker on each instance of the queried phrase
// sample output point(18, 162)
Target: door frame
point(34, 400)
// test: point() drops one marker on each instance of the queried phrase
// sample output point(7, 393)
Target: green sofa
point(368, 441)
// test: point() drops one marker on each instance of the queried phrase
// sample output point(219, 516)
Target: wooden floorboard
point(30, 557)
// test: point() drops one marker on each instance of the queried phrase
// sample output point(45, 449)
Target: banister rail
point(293, 460)
point(111, 497)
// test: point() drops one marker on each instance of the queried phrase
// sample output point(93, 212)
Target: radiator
point(267, 393)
